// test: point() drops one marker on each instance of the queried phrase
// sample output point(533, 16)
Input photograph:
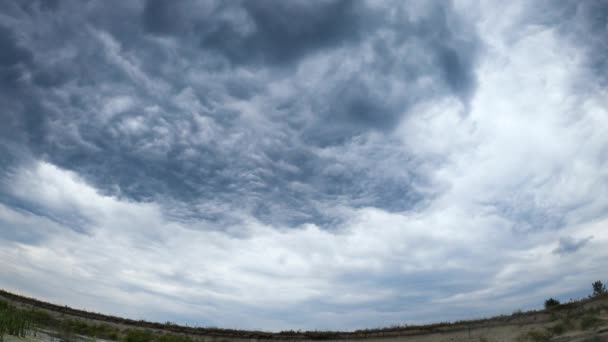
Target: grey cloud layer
point(237, 103)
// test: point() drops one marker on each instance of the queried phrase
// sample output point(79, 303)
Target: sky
point(302, 164)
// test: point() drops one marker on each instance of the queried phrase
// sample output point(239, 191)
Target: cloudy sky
point(303, 164)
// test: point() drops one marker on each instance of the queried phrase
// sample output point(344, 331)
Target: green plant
point(551, 303)
point(14, 321)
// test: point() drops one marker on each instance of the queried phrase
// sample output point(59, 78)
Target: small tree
point(551, 303)
point(598, 288)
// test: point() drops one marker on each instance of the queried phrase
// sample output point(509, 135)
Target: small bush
point(598, 288)
point(551, 303)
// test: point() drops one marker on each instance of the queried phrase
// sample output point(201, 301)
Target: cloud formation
point(367, 163)
point(570, 245)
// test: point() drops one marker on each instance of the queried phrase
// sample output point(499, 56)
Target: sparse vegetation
point(68, 324)
point(589, 321)
point(21, 322)
point(81, 327)
point(13, 321)
point(561, 327)
point(539, 336)
point(137, 335)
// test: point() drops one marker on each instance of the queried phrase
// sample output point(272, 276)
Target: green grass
point(14, 321)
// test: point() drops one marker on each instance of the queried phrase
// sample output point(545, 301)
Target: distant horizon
point(301, 165)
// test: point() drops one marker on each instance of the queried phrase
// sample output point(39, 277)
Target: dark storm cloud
point(13, 58)
point(163, 17)
point(267, 32)
point(93, 90)
point(21, 116)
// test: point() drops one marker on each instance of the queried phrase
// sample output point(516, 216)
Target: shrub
point(551, 303)
point(598, 288)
